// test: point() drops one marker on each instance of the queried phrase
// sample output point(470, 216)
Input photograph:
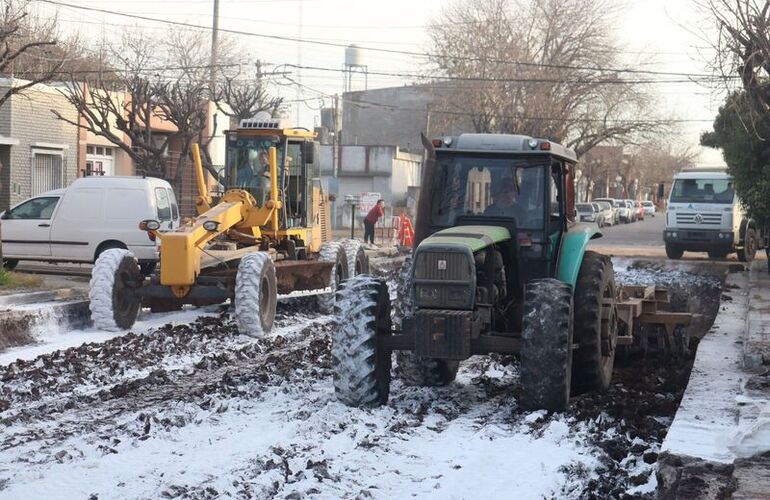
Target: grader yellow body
point(238, 248)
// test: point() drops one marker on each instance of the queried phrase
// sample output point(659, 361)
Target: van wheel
point(113, 303)
point(109, 245)
point(10, 264)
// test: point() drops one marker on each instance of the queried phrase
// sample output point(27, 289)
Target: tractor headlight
point(149, 225)
point(211, 225)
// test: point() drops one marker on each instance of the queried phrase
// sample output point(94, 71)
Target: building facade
point(386, 170)
point(38, 152)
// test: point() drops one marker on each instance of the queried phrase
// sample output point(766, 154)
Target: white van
point(93, 214)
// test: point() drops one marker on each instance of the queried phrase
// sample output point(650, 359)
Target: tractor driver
point(505, 200)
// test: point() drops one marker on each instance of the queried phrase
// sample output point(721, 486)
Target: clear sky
point(660, 35)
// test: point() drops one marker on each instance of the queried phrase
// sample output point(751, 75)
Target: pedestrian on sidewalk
point(371, 219)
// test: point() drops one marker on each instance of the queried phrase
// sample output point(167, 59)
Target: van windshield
point(702, 191)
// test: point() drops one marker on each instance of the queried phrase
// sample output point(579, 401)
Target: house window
point(99, 160)
point(47, 172)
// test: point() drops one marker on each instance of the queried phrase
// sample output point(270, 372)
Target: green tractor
point(500, 266)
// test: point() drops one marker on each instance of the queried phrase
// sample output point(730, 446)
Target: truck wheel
point(674, 252)
point(10, 264)
point(333, 251)
point(361, 369)
point(358, 262)
point(425, 372)
point(717, 254)
point(596, 324)
point(746, 254)
point(256, 294)
point(546, 349)
point(113, 304)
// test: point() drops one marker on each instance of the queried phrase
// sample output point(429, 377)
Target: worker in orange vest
point(371, 219)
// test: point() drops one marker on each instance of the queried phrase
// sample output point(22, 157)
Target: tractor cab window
point(493, 186)
point(247, 164)
point(296, 186)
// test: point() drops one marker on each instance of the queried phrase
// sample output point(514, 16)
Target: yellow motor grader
point(269, 233)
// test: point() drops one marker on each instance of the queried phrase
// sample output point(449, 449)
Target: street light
point(353, 201)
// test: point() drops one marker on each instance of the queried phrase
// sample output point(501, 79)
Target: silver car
point(607, 212)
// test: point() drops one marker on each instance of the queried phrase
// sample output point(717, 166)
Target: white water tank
point(354, 56)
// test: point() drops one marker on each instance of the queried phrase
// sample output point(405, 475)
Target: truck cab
point(704, 214)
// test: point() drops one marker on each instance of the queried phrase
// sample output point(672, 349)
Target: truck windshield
point(702, 191)
point(475, 185)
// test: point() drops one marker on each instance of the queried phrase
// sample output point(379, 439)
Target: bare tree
point(28, 48)
point(743, 45)
point(541, 67)
point(120, 105)
point(243, 98)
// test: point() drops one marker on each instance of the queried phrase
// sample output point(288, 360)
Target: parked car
point(589, 212)
point(615, 208)
point(93, 214)
point(607, 212)
point(649, 208)
point(623, 211)
point(639, 210)
point(632, 216)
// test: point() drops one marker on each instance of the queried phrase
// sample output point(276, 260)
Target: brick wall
point(37, 129)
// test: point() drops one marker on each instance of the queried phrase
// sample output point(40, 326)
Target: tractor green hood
point(474, 238)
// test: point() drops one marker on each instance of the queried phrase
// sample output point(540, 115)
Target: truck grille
point(706, 219)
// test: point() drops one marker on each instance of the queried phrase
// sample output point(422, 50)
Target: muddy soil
point(99, 402)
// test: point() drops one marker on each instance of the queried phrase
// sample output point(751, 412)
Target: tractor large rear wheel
point(114, 277)
point(256, 294)
point(361, 369)
point(546, 350)
point(596, 324)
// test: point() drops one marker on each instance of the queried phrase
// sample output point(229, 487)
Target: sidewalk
point(715, 444)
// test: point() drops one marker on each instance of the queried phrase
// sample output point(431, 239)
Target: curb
point(715, 423)
point(43, 296)
point(17, 326)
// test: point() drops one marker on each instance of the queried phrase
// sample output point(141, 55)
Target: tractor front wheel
point(596, 324)
point(361, 369)
point(256, 294)
point(114, 277)
point(546, 350)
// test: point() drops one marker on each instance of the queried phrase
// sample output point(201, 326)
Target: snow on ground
point(186, 407)
point(199, 411)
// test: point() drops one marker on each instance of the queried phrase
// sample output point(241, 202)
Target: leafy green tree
point(743, 135)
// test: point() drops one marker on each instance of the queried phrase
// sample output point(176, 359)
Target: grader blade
point(293, 275)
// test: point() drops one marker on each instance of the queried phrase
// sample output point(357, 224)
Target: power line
point(393, 107)
point(418, 76)
point(377, 49)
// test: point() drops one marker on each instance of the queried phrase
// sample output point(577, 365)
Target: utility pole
point(299, 62)
point(214, 50)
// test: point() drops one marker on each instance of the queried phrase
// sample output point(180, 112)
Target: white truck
point(705, 215)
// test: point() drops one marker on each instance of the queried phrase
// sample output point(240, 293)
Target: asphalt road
point(647, 232)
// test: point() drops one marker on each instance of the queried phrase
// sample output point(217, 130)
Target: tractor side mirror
point(308, 151)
